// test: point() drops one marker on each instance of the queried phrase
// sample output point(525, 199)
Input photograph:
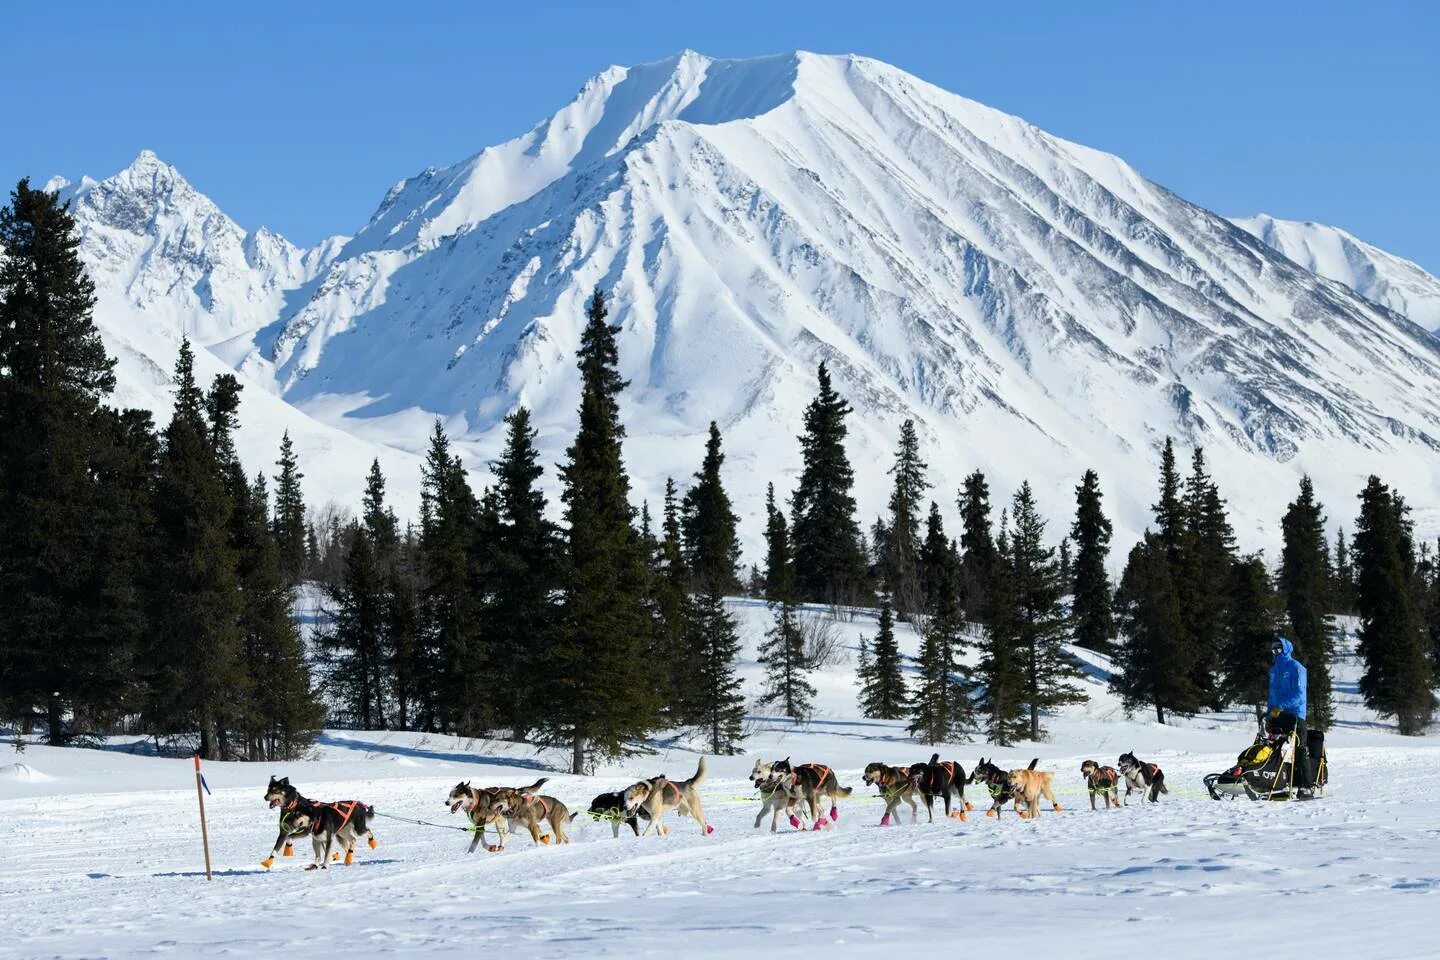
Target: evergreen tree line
point(146, 579)
point(154, 579)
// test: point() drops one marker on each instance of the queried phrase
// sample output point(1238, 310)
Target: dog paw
point(268, 862)
point(313, 866)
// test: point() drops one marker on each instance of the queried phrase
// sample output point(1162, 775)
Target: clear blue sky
point(299, 116)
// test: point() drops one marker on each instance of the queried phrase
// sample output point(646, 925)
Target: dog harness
point(345, 808)
point(1103, 780)
point(532, 800)
point(822, 771)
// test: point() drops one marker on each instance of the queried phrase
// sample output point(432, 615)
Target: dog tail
point(699, 777)
point(1163, 788)
point(845, 791)
point(1032, 764)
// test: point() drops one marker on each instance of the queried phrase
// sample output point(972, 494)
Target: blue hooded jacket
point(1287, 682)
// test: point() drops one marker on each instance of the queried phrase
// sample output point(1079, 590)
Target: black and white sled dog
point(611, 807)
point(1146, 779)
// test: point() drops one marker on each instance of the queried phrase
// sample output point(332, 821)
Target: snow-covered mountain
point(1036, 306)
point(1392, 281)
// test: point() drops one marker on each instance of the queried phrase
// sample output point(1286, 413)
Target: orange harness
point(672, 786)
point(345, 813)
point(823, 772)
point(544, 807)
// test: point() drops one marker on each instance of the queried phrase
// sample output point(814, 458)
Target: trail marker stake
point(204, 831)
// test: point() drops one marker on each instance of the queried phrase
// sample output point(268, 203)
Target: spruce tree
point(1169, 510)
point(1342, 582)
point(708, 522)
point(289, 520)
point(404, 629)
point(1090, 584)
point(521, 618)
point(1001, 673)
point(940, 705)
point(1040, 622)
point(978, 558)
point(671, 607)
point(935, 558)
point(712, 552)
point(71, 613)
point(901, 560)
point(783, 652)
point(285, 712)
point(198, 678)
point(455, 692)
point(882, 685)
point(1250, 629)
point(603, 696)
point(829, 558)
point(354, 641)
point(1398, 677)
point(1207, 556)
point(1153, 662)
point(1305, 583)
point(720, 705)
point(1430, 591)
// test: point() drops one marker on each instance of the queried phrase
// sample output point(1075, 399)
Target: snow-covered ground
point(102, 852)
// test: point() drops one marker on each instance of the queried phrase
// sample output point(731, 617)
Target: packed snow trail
point(103, 850)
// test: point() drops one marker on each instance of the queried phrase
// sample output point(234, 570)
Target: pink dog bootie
point(821, 824)
point(834, 813)
point(794, 821)
point(885, 820)
point(709, 829)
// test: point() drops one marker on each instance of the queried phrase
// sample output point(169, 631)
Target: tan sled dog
point(895, 787)
point(1028, 786)
point(477, 802)
point(514, 809)
point(661, 795)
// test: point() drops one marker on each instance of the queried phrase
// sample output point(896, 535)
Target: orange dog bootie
point(372, 843)
point(268, 862)
point(289, 850)
point(349, 857)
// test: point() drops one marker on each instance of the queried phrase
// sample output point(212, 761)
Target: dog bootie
point(349, 857)
point(969, 805)
point(885, 820)
point(709, 829)
point(495, 848)
point(1059, 809)
point(545, 839)
point(268, 862)
point(834, 812)
point(821, 824)
point(313, 866)
point(794, 821)
point(957, 815)
point(373, 844)
point(990, 812)
point(289, 850)
point(335, 857)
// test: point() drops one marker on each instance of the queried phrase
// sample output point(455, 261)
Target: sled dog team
point(797, 792)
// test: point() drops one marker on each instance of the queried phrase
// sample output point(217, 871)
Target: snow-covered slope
point(1038, 307)
point(1392, 281)
point(1183, 876)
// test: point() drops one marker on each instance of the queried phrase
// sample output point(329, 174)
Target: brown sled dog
point(660, 795)
point(895, 786)
point(512, 809)
point(1028, 785)
point(477, 801)
point(814, 780)
point(1101, 781)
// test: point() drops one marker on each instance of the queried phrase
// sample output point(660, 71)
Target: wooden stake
point(204, 831)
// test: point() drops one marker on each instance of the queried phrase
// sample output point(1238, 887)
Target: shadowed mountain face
point(1036, 306)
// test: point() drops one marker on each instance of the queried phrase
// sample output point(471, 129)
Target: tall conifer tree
point(289, 519)
point(1090, 583)
point(603, 697)
point(882, 685)
point(900, 563)
point(1305, 583)
point(829, 557)
point(1154, 663)
point(1398, 678)
point(1251, 620)
point(783, 652)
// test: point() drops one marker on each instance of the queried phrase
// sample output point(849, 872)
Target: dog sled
point(1265, 770)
